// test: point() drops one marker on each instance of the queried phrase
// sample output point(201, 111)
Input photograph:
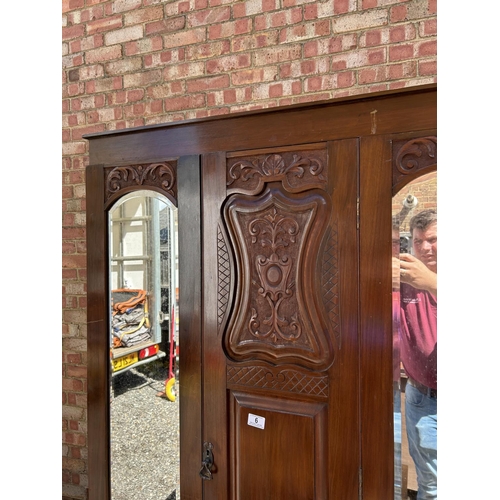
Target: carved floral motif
point(161, 175)
point(295, 170)
point(275, 231)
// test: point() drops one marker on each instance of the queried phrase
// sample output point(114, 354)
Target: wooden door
point(280, 325)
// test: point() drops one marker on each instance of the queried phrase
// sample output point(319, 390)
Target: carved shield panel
point(279, 316)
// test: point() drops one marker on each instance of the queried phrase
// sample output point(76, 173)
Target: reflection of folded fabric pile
point(130, 325)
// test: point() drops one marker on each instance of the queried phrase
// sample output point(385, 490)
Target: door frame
point(371, 119)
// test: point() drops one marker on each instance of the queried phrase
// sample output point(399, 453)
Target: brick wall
point(128, 63)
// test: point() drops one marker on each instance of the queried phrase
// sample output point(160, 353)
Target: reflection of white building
point(143, 255)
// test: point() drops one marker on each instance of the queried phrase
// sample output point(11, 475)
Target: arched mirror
point(143, 347)
point(414, 240)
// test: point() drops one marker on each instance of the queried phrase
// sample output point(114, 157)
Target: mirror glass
point(414, 272)
point(143, 325)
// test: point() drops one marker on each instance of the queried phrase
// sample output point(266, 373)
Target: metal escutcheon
point(207, 462)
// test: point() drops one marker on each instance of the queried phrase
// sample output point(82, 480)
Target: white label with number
point(256, 421)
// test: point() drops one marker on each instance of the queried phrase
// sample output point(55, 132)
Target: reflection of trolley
point(132, 339)
point(170, 382)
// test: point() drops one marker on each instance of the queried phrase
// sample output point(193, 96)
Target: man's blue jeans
point(421, 428)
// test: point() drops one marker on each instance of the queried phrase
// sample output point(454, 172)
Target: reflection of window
point(163, 235)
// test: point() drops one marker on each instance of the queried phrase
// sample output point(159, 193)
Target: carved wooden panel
point(279, 315)
point(296, 170)
point(161, 175)
point(412, 158)
point(286, 457)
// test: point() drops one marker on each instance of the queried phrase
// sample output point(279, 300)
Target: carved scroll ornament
point(413, 158)
point(159, 175)
point(416, 153)
point(296, 171)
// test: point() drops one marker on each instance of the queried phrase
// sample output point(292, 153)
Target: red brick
point(145, 45)
point(427, 48)
point(397, 34)
point(276, 90)
point(428, 27)
point(208, 50)
point(210, 83)
point(188, 37)
point(226, 64)
point(74, 261)
point(229, 96)
point(139, 16)
point(208, 17)
point(268, 5)
point(126, 5)
point(372, 75)
point(401, 52)
point(103, 54)
point(426, 68)
point(398, 13)
point(404, 70)
point(340, 6)
point(239, 10)
point(373, 38)
point(249, 76)
point(69, 32)
point(229, 29)
point(91, 14)
point(103, 25)
point(76, 371)
point(254, 41)
point(68, 5)
point(369, 4)
point(278, 54)
point(376, 56)
point(124, 35)
point(166, 25)
point(185, 102)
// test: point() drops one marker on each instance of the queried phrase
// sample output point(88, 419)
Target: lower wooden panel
point(285, 459)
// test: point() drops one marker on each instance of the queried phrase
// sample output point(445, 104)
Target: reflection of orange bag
point(130, 317)
point(126, 298)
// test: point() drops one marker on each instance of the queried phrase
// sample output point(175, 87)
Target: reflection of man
point(418, 347)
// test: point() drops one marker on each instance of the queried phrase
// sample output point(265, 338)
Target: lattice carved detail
point(160, 175)
point(329, 281)
point(297, 171)
point(223, 277)
point(286, 380)
point(277, 316)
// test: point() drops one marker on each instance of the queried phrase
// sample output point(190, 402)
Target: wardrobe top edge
point(277, 109)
